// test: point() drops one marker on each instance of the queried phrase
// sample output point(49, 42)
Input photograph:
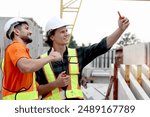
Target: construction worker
point(19, 78)
point(61, 79)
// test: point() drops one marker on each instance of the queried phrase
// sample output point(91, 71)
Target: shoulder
point(15, 46)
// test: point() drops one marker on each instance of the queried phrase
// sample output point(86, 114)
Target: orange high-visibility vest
point(73, 89)
point(23, 94)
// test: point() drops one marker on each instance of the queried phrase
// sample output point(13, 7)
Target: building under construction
point(119, 74)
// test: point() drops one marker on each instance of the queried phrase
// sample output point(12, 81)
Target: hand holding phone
point(120, 15)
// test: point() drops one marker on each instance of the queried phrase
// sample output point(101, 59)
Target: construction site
point(120, 74)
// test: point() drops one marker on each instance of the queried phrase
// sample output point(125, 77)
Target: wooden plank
point(127, 74)
point(124, 92)
point(145, 83)
point(135, 87)
point(136, 73)
point(146, 71)
point(145, 79)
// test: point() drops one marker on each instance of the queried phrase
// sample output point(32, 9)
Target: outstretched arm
point(31, 65)
point(123, 23)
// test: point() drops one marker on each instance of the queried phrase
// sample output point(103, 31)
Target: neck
point(19, 40)
point(60, 49)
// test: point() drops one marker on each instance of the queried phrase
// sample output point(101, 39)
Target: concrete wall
point(134, 54)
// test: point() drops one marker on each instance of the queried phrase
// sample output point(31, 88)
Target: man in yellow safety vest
point(61, 79)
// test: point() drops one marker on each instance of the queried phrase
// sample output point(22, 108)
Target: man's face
point(61, 36)
point(25, 33)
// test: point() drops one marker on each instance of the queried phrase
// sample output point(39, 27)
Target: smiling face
point(61, 36)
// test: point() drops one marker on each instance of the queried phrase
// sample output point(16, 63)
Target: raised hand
point(55, 56)
point(123, 22)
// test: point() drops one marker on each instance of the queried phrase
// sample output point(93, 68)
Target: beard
point(26, 39)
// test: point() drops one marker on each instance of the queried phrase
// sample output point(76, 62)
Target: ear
point(52, 37)
point(16, 31)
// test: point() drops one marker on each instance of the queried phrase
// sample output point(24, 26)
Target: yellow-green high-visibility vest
point(73, 89)
point(2, 65)
point(57, 93)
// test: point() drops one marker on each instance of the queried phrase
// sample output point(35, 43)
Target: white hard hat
point(11, 23)
point(54, 23)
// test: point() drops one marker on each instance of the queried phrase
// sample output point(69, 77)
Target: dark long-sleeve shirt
point(85, 56)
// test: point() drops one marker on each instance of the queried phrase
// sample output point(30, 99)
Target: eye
point(26, 27)
point(66, 30)
point(62, 31)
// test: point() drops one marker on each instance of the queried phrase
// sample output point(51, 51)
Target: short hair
point(48, 39)
point(17, 26)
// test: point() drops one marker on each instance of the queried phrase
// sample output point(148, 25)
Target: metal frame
point(70, 7)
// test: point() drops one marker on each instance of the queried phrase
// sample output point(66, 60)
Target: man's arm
point(31, 65)
point(123, 23)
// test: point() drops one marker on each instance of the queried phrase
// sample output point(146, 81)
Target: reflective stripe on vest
point(73, 89)
point(30, 94)
point(73, 70)
point(56, 94)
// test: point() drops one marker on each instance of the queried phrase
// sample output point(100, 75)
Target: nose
point(30, 32)
point(67, 33)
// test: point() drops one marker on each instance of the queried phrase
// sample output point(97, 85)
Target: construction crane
point(70, 8)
